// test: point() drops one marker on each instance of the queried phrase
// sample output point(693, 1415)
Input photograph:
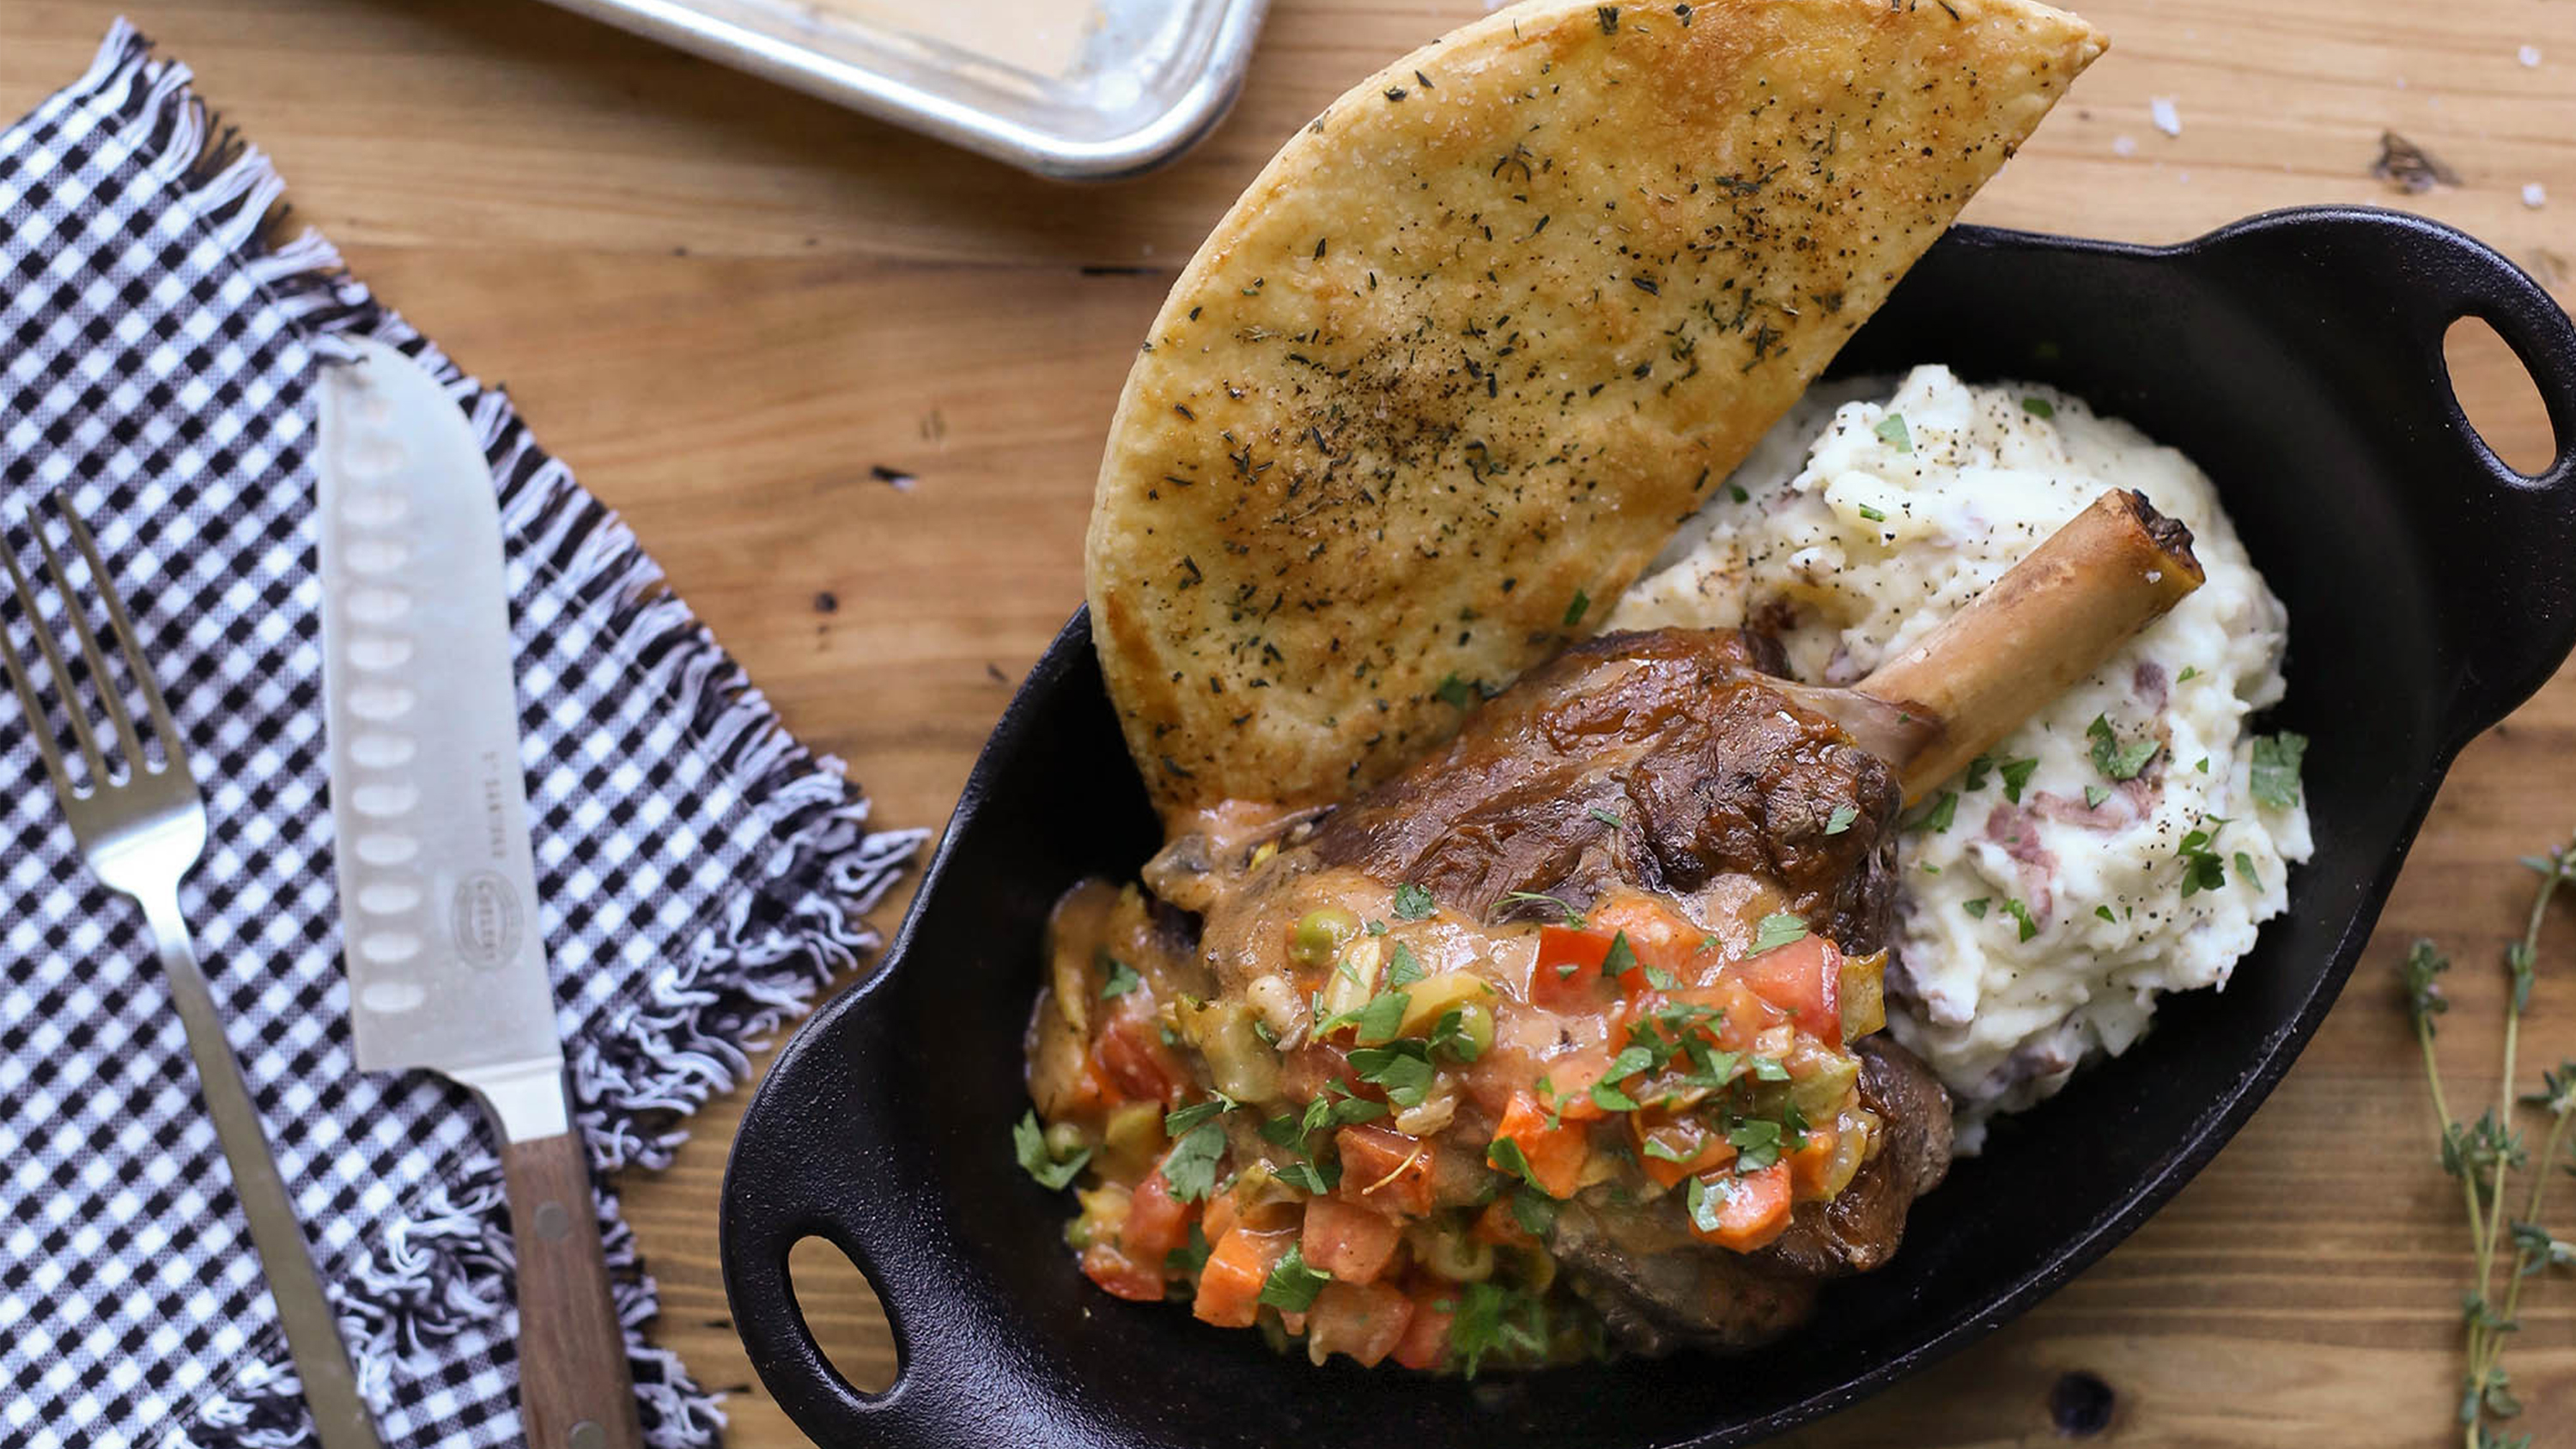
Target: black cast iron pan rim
point(2501, 295)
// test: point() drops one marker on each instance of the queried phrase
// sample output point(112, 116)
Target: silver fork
point(141, 833)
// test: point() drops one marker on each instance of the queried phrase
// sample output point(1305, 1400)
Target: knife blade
point(437, 880)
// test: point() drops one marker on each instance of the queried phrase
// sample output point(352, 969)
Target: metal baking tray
point(1075, 89)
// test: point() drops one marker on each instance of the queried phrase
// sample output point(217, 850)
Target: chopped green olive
point(1476, 1025)
point(1321, 934)
point(1063, 1139)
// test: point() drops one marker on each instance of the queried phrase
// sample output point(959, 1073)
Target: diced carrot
point(1352, 1243)
point(1555, 1155)
point(1385, 1169)
point(1425, 1344)
point(1802, 978)
point(1566, 977)
point(1120, 1275)
point(1363, 1320)
point(1809, 1164)
point(1752, 1208)
point(1222, 1213)
point(1500, 1226)
point(1570, 1076)
point(1698, 1148)
point(1238, 1265)
point(1157, 1222)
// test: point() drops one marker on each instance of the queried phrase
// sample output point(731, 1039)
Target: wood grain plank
point(727, 306)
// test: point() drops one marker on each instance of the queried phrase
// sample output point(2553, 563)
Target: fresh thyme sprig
point(2484, 1154)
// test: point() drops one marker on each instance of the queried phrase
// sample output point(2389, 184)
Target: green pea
point(1476, 1024)
point(1321, 934)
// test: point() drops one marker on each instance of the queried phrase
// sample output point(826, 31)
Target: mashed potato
point(2047, 900)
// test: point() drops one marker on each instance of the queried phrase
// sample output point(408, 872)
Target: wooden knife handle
point(574, 1388)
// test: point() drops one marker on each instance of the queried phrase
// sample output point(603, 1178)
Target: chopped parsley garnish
point(1494, 1319)
point(1770, 1069)
point(2203, 766)
point(1455, 692)
point(1736, 492)
point(1573, 917)
point(2245, 868)
point(2105, 913)
point(1190, 1170)
point(2094, 795)
point(1977, 907)
point(1449, 1035)
point(2016, 774)
point(2189, 671)
point(1181, 1119)
point(1660, 979)
point(1402, 1067)
point(1576, 607)
point(1382, 1018)
point(2276, 768)
point(1656, 1149)
point(1620, 958)
point(1117, 977)
point(1872, 514)
point(2116, 760)
point(2039, 407)
point(1506, 1156)
point(2021, 913)
point(1413, 903)
point(1534, 1211)
point(1292, 1285)
point(1028, 1141)
point(2202, 870)
point(1778, 929)
point(1841, 820)
point(1606, 818)
point(1943, 810)
point(1891, 431)
point(1977, 769)
point(1403, 967)
point(1609, 1096)
point(1757, 1145)
point(1704, 1203)
point(1376, 928)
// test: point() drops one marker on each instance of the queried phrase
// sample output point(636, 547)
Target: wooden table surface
point(729, 307)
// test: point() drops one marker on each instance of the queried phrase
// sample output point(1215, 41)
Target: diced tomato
point(1238, 1265)
point(1364, 1320)
point(1352, 1243)
point(1737, 1015)
point(1752, 1208)
point(1802, 978)
point(1305, 1072)
point(1121, 1275)
point(1425, 1344)
point(1699, 1147)
point(1500, 1226)
point(1556, 1155)
point(1810, 1163)
point(1658, 935)
point(1385, 1169)
point(1134, 1062)
point(1567, 974)
point(1157, 1222)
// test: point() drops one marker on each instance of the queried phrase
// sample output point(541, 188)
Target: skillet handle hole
point(2497, 394)
point(841, 1310)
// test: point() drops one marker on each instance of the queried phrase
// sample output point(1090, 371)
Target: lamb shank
point(1565, 1037)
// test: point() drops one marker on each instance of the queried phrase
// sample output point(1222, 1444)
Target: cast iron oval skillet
point(2296, 356)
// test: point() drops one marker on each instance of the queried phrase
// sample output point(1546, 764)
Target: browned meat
point(1681, 736)
point(1859, 1228)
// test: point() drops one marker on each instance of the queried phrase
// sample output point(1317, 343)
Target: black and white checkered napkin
point(701, 873)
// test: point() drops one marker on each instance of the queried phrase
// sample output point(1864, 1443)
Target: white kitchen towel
point(702, 874)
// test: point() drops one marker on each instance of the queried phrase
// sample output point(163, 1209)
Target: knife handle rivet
point(586, 1435)
point(552, 1223)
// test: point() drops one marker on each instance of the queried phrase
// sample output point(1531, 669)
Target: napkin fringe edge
point(445, 1259)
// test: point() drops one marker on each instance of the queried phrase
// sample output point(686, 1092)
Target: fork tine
point(172, 748)
point(62, 675)
point(40, 729)
point(108, 692)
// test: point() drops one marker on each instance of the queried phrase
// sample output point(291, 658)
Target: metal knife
point(438, 892)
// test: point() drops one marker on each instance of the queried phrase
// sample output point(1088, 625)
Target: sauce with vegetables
point(1364, 1081)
